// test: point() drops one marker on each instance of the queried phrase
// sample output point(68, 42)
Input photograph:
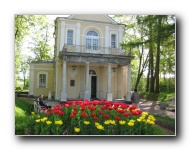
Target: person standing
point(135, 97)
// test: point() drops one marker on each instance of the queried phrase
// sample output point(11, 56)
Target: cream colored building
point(89, 61)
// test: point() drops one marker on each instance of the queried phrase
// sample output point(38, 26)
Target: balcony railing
point(95, 50)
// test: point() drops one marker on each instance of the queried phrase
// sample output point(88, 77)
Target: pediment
point(93, 17)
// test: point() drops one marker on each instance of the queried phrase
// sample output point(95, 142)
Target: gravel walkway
point(153, 107)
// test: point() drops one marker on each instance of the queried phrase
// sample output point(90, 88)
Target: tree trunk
point(148, 79)
point(157, 68)
point(151, 57)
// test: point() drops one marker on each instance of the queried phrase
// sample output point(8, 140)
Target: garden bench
point(37, 107)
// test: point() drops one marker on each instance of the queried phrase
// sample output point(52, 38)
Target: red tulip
point(118, 118)
point(84, 115)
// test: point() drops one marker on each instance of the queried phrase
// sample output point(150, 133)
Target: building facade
point(89, 62)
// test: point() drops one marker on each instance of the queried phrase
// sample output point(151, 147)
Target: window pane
point(113, 41)
point(92, 41)
point(92, 33)
point(88, 43)
point(42, 80)
point(69, 37)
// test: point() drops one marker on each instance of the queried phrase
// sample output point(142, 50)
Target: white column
point(57, 84)
point(128, 85)
point(120, 35)
point(82, 82)
point(109, 93)
point(87, 95)
point(119, 82)
point(78, 38)
point(62, 35)
point(101, 82)
point(78, 34)
point(31, 86)
point(64, 83)
point(120, 38)
point(106, 39)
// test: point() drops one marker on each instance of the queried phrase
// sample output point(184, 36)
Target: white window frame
point(116, 38)
point(92, 38)
point(72, 36)
point(115, 41)
point(38, 79)
point(73, 28)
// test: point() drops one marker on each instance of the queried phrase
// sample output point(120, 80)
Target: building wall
point(46, 68)
point(80, 28)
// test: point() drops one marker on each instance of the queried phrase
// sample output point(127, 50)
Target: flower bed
point(92, 118)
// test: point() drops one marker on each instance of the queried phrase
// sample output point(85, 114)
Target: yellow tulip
point(152, 122)
point(145, 113)
point(112, 122)
point(77, 129)
point(132, 121)
point(38, 120)
point(86, 122)
point(107, 122)
point(97, 124)
point(130, 124)
point(48, 122)
point(121, 122)
point(139, 119)
point(100, 127)
point(59, 122)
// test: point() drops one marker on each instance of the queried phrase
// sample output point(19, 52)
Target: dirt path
point(153, 107)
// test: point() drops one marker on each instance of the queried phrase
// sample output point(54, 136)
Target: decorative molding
point(44, 68)
point(72, 72)
point(122, 61)
point(38, 77)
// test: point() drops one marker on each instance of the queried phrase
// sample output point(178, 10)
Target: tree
point(32, 34)
point(152, 42)
point(40, 40)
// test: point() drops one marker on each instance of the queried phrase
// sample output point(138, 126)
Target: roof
point(99, 18)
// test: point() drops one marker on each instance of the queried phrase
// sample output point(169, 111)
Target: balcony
point(95, 54)
point(95, 50)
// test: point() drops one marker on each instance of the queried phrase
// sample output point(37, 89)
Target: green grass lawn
point(22, 111)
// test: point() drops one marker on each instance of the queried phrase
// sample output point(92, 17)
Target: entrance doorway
point(93, 86)
point(93, 83)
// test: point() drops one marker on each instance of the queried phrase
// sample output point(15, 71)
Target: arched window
point(92, 73)
point(92, 41)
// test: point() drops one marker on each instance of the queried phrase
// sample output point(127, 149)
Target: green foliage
point(165, 121)
point(22, 110)
point(162, 96)
point(167, 84)
point(18, 88)
point(156, 33)
point(24, 106)
point(32, 34)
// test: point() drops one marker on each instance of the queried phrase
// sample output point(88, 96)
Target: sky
point(11, 7)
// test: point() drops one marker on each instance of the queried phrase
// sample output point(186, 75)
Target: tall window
point(70, 37)
point(42, 80)
point(113, 41)
point(92, 40)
